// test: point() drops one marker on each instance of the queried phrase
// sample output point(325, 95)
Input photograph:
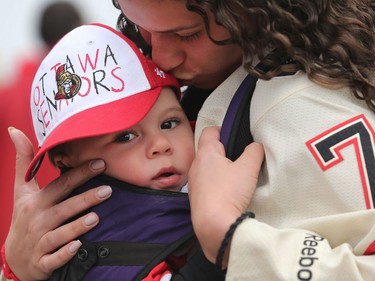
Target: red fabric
point(158, 272)
point(15, 112)
point(371, 249)
point(163, 271)
point(7, 272)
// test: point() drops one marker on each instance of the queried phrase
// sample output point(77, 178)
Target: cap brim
point(104, 119)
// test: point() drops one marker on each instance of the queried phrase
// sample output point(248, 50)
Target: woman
point(304, 200)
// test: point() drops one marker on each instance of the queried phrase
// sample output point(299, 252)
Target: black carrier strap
point(198, 268)
point(117, 253)
point(168, 250)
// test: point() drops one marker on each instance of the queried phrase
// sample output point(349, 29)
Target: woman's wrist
point(223, 252)
point(3, 278)
point(6, 272)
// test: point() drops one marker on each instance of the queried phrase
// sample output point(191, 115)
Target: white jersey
point(314, 203)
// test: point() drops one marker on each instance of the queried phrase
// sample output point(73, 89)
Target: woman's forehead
point(160, 16)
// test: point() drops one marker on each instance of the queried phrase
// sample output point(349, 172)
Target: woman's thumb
point(24, 153)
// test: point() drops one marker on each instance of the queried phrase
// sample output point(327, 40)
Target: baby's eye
point(125, 137)
point(169, 124)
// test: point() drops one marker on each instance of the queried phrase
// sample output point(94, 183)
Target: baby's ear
point(61, 160)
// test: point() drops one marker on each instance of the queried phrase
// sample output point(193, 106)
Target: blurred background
point(19, 28)
point(28, 29)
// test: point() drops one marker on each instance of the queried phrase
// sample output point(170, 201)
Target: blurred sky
point(19, 27)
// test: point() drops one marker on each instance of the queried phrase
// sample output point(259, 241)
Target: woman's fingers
point(210, 139)
point(62, 186)
point(65, 234)
point(49, 263)
point(60, 213)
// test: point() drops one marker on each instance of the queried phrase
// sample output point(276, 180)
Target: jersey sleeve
point(339, 247)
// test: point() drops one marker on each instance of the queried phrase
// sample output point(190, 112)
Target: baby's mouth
point(165, 175)
point(167, 178)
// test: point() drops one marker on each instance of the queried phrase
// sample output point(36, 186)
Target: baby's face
point(156, 153)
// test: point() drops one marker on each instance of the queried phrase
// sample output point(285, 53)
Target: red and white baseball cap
point(94, 81)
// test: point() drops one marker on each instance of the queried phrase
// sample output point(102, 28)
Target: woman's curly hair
point(333, 41)
point(130, 30)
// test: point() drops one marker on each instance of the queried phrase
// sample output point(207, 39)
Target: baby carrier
point(235, 130)
point(138, 229)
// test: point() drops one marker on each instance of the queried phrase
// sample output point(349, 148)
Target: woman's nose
point(166, 52)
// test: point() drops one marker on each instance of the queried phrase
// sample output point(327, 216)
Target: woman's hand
point(37, 228)
point(220, 190)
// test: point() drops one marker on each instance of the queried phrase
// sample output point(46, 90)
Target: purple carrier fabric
point(235, 131)
point(136, 215)
point(228, 122)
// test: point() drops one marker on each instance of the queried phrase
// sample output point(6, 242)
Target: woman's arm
point(214, 176)
point(37, 229)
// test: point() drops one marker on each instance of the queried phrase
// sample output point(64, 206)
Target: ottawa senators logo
point(68, 84)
